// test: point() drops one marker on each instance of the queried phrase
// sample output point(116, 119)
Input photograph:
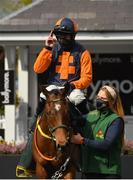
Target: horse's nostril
point(62, 142)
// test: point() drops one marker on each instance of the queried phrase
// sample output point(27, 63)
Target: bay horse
point(52, 150)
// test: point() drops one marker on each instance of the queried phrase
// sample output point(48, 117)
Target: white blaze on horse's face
point(57, 106)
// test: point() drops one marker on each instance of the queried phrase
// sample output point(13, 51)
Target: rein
point(48, 158)
point(42, 133)
point(51, 130)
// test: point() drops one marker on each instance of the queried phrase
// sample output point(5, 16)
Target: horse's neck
point(44, 124)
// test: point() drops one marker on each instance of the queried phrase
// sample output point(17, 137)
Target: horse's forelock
point(55, 91)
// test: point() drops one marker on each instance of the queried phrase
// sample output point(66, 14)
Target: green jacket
point(95, 161)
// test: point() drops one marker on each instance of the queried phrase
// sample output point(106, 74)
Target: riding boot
point(26, 164)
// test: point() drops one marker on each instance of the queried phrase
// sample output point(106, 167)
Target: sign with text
point(116, 70)
point(6, 87)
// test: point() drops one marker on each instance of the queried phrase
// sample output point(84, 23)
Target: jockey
point(67, 63)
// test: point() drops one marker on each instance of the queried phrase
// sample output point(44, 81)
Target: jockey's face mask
point(65, 40)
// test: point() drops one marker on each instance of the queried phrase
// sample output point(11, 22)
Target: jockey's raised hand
point(50, 41)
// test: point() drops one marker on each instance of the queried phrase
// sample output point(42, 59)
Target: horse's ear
point(44, 90)
point(64, 91)
point(67, 88)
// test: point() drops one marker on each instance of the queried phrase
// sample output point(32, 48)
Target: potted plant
point(9, 156)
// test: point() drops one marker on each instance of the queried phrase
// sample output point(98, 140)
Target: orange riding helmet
point(66, 26)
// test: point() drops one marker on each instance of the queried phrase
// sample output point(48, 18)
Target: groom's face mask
point(101, 104)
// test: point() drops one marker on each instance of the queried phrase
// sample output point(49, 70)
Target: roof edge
point(87, 31)
point(81, 36)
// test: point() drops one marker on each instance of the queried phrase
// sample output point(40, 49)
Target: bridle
point(50, 129)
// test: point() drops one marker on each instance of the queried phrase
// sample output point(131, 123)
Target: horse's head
point(57, 115)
